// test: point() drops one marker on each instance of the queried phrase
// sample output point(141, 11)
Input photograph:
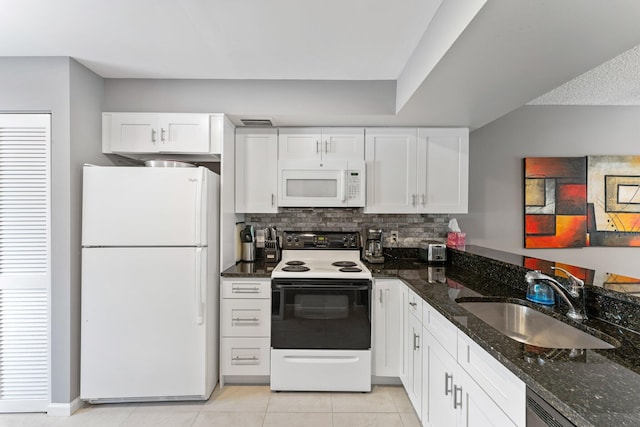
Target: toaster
point(432, 251)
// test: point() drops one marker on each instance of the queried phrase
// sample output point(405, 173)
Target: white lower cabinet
point(387, 327)
point(245, 328)
point(411, 376)
point(451, 380)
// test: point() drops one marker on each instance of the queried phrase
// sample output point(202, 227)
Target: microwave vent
point(256, 122)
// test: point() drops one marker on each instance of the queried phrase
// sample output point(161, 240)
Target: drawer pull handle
point(416, 341)
point(249, 319)
point(457, 389)
point(246, 359)
point(246, 290)
point(448, 379)
point(413, 304)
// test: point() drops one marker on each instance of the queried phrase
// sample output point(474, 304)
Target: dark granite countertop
point(590, 387)
point(258, 268)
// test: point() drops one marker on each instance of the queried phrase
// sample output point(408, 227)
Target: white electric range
point(321, 314)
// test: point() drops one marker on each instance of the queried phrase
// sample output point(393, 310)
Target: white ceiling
point(221, 39)
point(447, 72)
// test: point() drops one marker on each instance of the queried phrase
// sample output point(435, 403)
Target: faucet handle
point(575, 281)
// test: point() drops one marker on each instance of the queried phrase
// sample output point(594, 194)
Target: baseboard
point(64, 409)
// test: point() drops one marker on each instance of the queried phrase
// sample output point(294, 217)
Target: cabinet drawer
point(441, 328)
point(245, 356)
point(246, 318)
point(507, 390)
point(246, 289)
point(414, 305)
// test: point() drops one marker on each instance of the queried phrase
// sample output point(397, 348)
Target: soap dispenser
point(540, 293)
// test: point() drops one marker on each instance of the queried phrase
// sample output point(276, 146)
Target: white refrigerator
point(150, 284)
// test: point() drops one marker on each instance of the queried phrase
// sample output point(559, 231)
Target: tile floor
point(244, 406)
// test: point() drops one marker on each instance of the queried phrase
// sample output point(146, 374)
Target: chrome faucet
point(574, 290)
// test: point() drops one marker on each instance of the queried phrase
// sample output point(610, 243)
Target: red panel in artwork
point(571, 199)
point(556, 167)
point(570, 233)
point(540, 225)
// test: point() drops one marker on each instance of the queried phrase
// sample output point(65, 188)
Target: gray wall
point(86, 94)
point(311, 102)
point(495, 218)
point(72, 94)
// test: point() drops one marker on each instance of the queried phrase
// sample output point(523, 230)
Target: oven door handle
point(323, 287)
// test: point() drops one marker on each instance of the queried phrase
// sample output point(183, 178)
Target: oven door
point(332, 314)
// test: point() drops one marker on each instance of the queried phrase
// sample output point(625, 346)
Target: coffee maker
point(373, 246)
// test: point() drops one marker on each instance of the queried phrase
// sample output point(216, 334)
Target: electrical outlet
point(394, 236)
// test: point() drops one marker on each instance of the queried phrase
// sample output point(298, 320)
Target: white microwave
point(330, 183)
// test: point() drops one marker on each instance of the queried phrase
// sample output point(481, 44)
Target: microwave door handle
point(344, 187)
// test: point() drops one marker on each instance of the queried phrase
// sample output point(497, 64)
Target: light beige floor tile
point(28, 420)
point(299, 402)
point(366, 420)
point(378, 400)
point(98, 416)
point(157, 417)
point(239, 398)
point(410, 419)
point(282, 419)
point(229, 419)
point(186, 406)
point(400, 398)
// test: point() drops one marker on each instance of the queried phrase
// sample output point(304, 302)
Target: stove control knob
point(289, 239)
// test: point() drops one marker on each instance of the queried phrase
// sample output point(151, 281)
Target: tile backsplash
point(411, 227)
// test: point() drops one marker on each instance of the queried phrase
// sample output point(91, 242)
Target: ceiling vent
point(256, 122)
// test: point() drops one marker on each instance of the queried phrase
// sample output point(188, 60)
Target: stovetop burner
point(344, 264)
point(294, 262)
point(350, 270)
point(295, 268)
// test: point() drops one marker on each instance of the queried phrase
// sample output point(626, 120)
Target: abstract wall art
point(555, 205)
point(613, 200)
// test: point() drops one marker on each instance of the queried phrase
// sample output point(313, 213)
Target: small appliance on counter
point(271, 246)
point(247, 237)
point(373, 247)
point(431, 251)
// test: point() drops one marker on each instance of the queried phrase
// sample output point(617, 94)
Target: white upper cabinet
point(256, 170)
point(443, 170)
point(140, 135)
point(321, 143)
point(412, 170)
point(390, 156)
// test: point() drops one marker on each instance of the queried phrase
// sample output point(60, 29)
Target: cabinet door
point(131, 132)
point(299, 143)
point(184, 133)
point(390, 156)
point(439, 369)
point(387, 328)
point(475, 408)
point(256, 170)
point(443, 170)
point(343, 143)
point(414, 342)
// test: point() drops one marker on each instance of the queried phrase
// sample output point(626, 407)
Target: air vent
point(256, 122)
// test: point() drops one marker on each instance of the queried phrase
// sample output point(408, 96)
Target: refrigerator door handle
point(200, 187)
point(198, 285)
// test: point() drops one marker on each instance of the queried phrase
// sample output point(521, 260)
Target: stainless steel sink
point(530, 326)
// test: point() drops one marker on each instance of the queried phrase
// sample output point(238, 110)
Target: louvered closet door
point(25, 272)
